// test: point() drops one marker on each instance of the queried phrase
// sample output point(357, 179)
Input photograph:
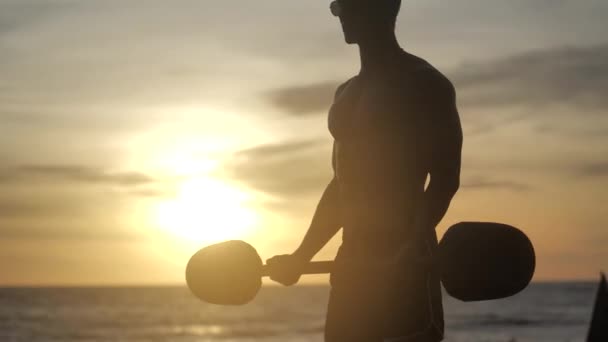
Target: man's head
point(364, 20)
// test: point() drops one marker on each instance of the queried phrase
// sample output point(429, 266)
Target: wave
point(503, 321)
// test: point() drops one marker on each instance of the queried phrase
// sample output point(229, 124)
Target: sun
point(205, 211)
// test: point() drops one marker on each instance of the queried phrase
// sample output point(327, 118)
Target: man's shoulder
point(418, 73)
point(343, 86)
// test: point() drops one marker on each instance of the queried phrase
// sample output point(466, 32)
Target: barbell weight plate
point(485, 261)
point(228, 273)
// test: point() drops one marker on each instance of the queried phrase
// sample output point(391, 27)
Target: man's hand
point(286, 269)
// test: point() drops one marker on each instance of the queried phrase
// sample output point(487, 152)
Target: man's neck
point(377, 54)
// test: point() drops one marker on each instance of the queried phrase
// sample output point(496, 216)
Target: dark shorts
point(370, 306)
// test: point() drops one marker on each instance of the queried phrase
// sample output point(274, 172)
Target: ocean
point(553, 312)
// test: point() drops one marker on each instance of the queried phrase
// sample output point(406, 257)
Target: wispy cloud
point(62, 212)
point(74, 174)
point(17, 14)
point(305, 99)
point(72, 201)
point(592, 169)
point(279, 149)
point(288, 170)
point(20, 208)
point(46, 231)
point(482, 183)
point(575, 76)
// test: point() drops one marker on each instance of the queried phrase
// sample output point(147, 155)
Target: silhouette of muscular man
point(394, 124)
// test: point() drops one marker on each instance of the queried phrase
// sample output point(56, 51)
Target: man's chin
point(350, 40)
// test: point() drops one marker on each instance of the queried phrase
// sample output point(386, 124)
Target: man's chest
point(376, 128)
point(373, 111)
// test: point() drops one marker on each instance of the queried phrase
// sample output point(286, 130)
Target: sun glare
point(206, 210)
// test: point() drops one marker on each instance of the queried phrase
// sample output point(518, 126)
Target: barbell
point(476, 260)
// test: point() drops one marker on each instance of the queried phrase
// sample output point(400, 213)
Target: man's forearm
point(325, 223)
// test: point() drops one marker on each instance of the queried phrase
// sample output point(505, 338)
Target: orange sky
point(131, 134)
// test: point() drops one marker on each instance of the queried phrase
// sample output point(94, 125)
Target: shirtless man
point(394, 124)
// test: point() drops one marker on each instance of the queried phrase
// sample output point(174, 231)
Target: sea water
point(544, 312)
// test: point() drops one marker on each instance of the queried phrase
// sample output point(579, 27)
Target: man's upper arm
point(445, 133)
point(333, 157)
point(338, 92)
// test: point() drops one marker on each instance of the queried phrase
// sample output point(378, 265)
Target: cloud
point(574, 76)
point(287, 170)
point(595, 169)
point(17, 13)
point(77, 121)
point(74, 174)
point(305, 99)
point(16, 208)
point(72, 201)
point(586, 130)
point(57, 232)
point(482, 183)
point(279, 149)
point(64, 212)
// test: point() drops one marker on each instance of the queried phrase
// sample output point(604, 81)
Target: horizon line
point(183, 285)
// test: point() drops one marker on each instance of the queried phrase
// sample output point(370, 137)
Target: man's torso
point(380, 157)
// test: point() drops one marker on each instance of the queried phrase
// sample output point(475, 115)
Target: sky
point(133, 133)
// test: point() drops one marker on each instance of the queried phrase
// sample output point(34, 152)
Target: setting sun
point(205, 211)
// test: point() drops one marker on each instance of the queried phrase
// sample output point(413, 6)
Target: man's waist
point(365, 245)
point(366, 262)
point(381, 240)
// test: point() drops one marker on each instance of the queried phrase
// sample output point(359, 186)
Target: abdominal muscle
point(379, 187)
